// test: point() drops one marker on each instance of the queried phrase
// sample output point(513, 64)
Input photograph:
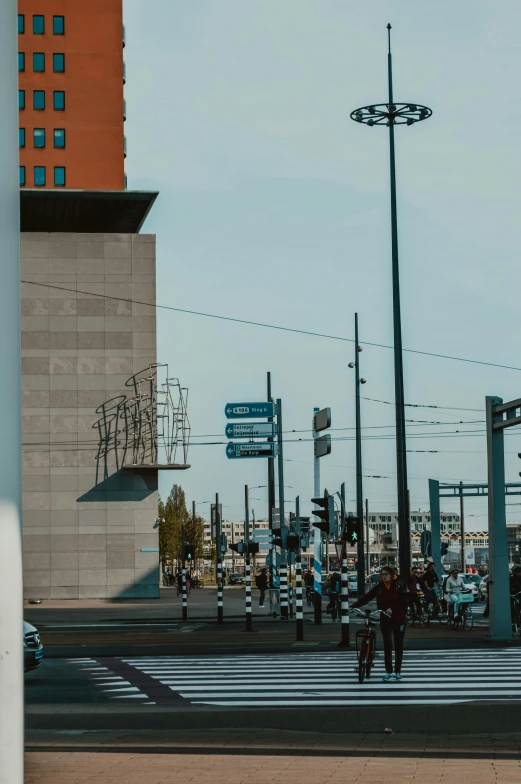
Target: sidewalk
point(236, 756)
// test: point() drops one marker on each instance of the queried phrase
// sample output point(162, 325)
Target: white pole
point(11, 603)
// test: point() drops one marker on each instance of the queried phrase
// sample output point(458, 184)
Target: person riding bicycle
point(454, 587)
point(413, 587)
point(391, 597)
point(332, 588)
point(515, 588)
point(427, 581)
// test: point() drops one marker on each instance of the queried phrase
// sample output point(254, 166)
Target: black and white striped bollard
point(300, 613)
point(344, 611)
point(185, 602)
point(284, 592)
point(220, 617)
point(248, 595)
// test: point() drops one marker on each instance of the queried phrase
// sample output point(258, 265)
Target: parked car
point(477, 579)
point(33, 648)
point(470, 585)
point(236, 578)
point(352, 583)
point(374, 578)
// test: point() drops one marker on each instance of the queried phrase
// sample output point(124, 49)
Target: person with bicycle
point(427, 582)
point(309, 582)
point(515, 588)
point(333, 587)
point(391, 597)
point(413, 587)
point(454, 587)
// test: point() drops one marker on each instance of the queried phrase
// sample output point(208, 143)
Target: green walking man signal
point(189, 553)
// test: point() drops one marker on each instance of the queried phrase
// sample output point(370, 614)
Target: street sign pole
point(298, 573)
point(247, 558)
point(317, 535)
point(360, 554)
point(183, 574)
point(283, 567)
point(220, 614)
point(271, 483)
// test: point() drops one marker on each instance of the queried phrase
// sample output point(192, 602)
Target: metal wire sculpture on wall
point(150, 427)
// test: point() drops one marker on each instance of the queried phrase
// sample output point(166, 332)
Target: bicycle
point(466, 617)
point(421, 615)
point(515, 599)
point(366, 643)
point(334, 600)
point(310, 596)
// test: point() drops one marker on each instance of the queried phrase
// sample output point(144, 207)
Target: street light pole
point(391, 114)
point(360, 554)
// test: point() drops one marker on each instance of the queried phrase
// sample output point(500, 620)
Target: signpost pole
point(434, 500)
point(462, 527)
point(298, 572)
point(344, 604)
point(220, 616)
point(247, 558)
point(183, 572)
point(317, 537)
point(271, 484)
point(283, 565)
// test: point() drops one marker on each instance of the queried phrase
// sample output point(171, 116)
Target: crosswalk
point(430, 677)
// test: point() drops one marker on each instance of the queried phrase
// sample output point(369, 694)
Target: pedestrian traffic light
point(293, 542)
point(189, 553)
point(352, 530)
point(326, 512)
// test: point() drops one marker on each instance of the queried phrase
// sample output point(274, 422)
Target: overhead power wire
point(274, 326)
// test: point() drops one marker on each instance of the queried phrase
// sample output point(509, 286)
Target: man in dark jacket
point(391, 597)
point(262, 583)
point(427, 581)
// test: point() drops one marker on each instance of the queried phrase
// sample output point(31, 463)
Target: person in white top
point(453, 588)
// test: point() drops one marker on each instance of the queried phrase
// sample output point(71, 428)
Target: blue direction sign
point(249, 410)
point(259, 449)
point(250, 430)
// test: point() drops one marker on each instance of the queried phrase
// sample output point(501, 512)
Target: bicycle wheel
point(425, 618)
point(362, 660)
point(468, 619)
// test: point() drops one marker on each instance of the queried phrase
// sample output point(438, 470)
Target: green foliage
point(173, 515)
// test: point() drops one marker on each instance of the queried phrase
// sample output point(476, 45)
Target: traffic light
point(292, 521)
point(426, 543)
point(293, 542)
point(326, 512)
point(352, 530)
point(238, 547)
point(279, 536)
point(305, 529)
point(253, 548)
point(189, 553)
point(444, 548)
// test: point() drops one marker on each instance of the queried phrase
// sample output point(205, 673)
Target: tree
point(173, 515)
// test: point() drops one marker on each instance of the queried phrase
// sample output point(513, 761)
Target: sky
point(274, 207)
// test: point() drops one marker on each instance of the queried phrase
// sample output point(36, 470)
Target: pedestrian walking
point(261, 581)
point(391, 597)
point(179, 580)
point(188, 583)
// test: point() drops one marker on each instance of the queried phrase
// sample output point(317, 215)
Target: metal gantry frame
point(499, 417)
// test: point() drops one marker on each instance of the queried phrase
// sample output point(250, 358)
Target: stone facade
point(84, 531)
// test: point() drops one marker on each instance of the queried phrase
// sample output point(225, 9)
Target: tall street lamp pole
point(360, 556)
point(391, 114)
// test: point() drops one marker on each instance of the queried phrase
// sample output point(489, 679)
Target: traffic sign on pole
point(249, 410)
point(322, 446)
point(257, 449)
point(250, 430)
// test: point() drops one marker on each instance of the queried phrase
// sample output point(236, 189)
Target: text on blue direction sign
point(250, 429)
point(249, 410)
point(259, 449)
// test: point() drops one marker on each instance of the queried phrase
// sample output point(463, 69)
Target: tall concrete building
point(89, 497)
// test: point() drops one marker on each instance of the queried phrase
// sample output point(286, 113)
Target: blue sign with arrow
point(250, 430)
point(259, 449)
point(249, 410)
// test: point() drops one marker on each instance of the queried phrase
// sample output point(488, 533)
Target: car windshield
point(474, 578)
point(465, 578)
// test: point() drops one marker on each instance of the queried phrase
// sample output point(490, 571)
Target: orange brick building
point(71, 77)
